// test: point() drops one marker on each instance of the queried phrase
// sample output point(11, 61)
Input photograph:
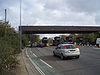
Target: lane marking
point(33, 53)
point(46, 63)
point(40, 71)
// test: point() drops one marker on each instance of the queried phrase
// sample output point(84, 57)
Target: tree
point(9, 46)
point(63, 37)
point(29, 37)
point(97, 35)
point(35, 38)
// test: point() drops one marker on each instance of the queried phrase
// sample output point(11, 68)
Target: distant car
point(66, 50)
point(98, 42)
point(39, 44)
point(63, 42)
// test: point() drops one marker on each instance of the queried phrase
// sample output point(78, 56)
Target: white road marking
point(46, 63)
point(34, 55)
point(40, 71)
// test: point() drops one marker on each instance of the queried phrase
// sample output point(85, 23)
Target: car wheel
point(62, 57)
point(54, 53)
point(77, 56)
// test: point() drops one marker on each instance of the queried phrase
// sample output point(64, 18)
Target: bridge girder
point(58, 29)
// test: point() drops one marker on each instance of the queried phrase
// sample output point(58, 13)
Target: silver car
point(66, 50)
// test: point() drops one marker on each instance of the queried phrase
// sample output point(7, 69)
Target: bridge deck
point(58, 29)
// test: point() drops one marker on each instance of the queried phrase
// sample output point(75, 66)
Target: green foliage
point(97, 35)
point(29, 37)
point(88, 37)
point(35, 38)
point(9, 46)
point(25, 39)
point(63, 37)
point(2, 29)
point(91, 37)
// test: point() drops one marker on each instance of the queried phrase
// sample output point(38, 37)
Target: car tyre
point(54, 53)
point(77, 57)
point(62, 57)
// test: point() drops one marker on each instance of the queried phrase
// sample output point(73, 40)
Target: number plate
point(72, 50)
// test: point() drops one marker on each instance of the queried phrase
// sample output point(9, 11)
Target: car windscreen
point(69, 47)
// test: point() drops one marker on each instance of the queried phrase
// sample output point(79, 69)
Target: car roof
point(65, 44)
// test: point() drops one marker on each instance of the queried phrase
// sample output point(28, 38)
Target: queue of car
point(66, 49)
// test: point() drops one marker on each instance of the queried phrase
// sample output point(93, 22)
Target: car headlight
point(68, 51)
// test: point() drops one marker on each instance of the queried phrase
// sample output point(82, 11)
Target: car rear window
point(69, 47)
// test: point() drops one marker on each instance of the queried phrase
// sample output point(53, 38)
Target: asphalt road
point(47, 64)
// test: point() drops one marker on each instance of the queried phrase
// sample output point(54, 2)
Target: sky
point(52, 12)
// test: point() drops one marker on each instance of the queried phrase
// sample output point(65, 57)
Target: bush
point(9, 47)
point(7, 56)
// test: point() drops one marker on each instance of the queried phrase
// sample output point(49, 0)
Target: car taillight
point(64, 47)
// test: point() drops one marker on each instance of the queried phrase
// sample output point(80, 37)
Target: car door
point(57, 50)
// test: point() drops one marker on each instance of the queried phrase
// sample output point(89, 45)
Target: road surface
point(46, 64)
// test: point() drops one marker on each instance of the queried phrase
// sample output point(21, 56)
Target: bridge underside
point(58, 29)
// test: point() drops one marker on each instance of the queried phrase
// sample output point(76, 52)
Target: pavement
point(25, 66)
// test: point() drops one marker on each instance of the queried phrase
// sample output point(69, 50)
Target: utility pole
point(5, 21)
point(5, 15)
point(20, 28)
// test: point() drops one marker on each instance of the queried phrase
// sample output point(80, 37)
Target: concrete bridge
point(58, 29)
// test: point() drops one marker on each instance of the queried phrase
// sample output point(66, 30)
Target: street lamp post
point(5, 21)
point(20, 28)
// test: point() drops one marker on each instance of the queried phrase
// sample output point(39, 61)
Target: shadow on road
point(55, 58)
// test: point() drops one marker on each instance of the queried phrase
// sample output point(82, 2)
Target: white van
point(98, 42)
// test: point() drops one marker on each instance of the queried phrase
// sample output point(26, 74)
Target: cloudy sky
point(52, 12)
